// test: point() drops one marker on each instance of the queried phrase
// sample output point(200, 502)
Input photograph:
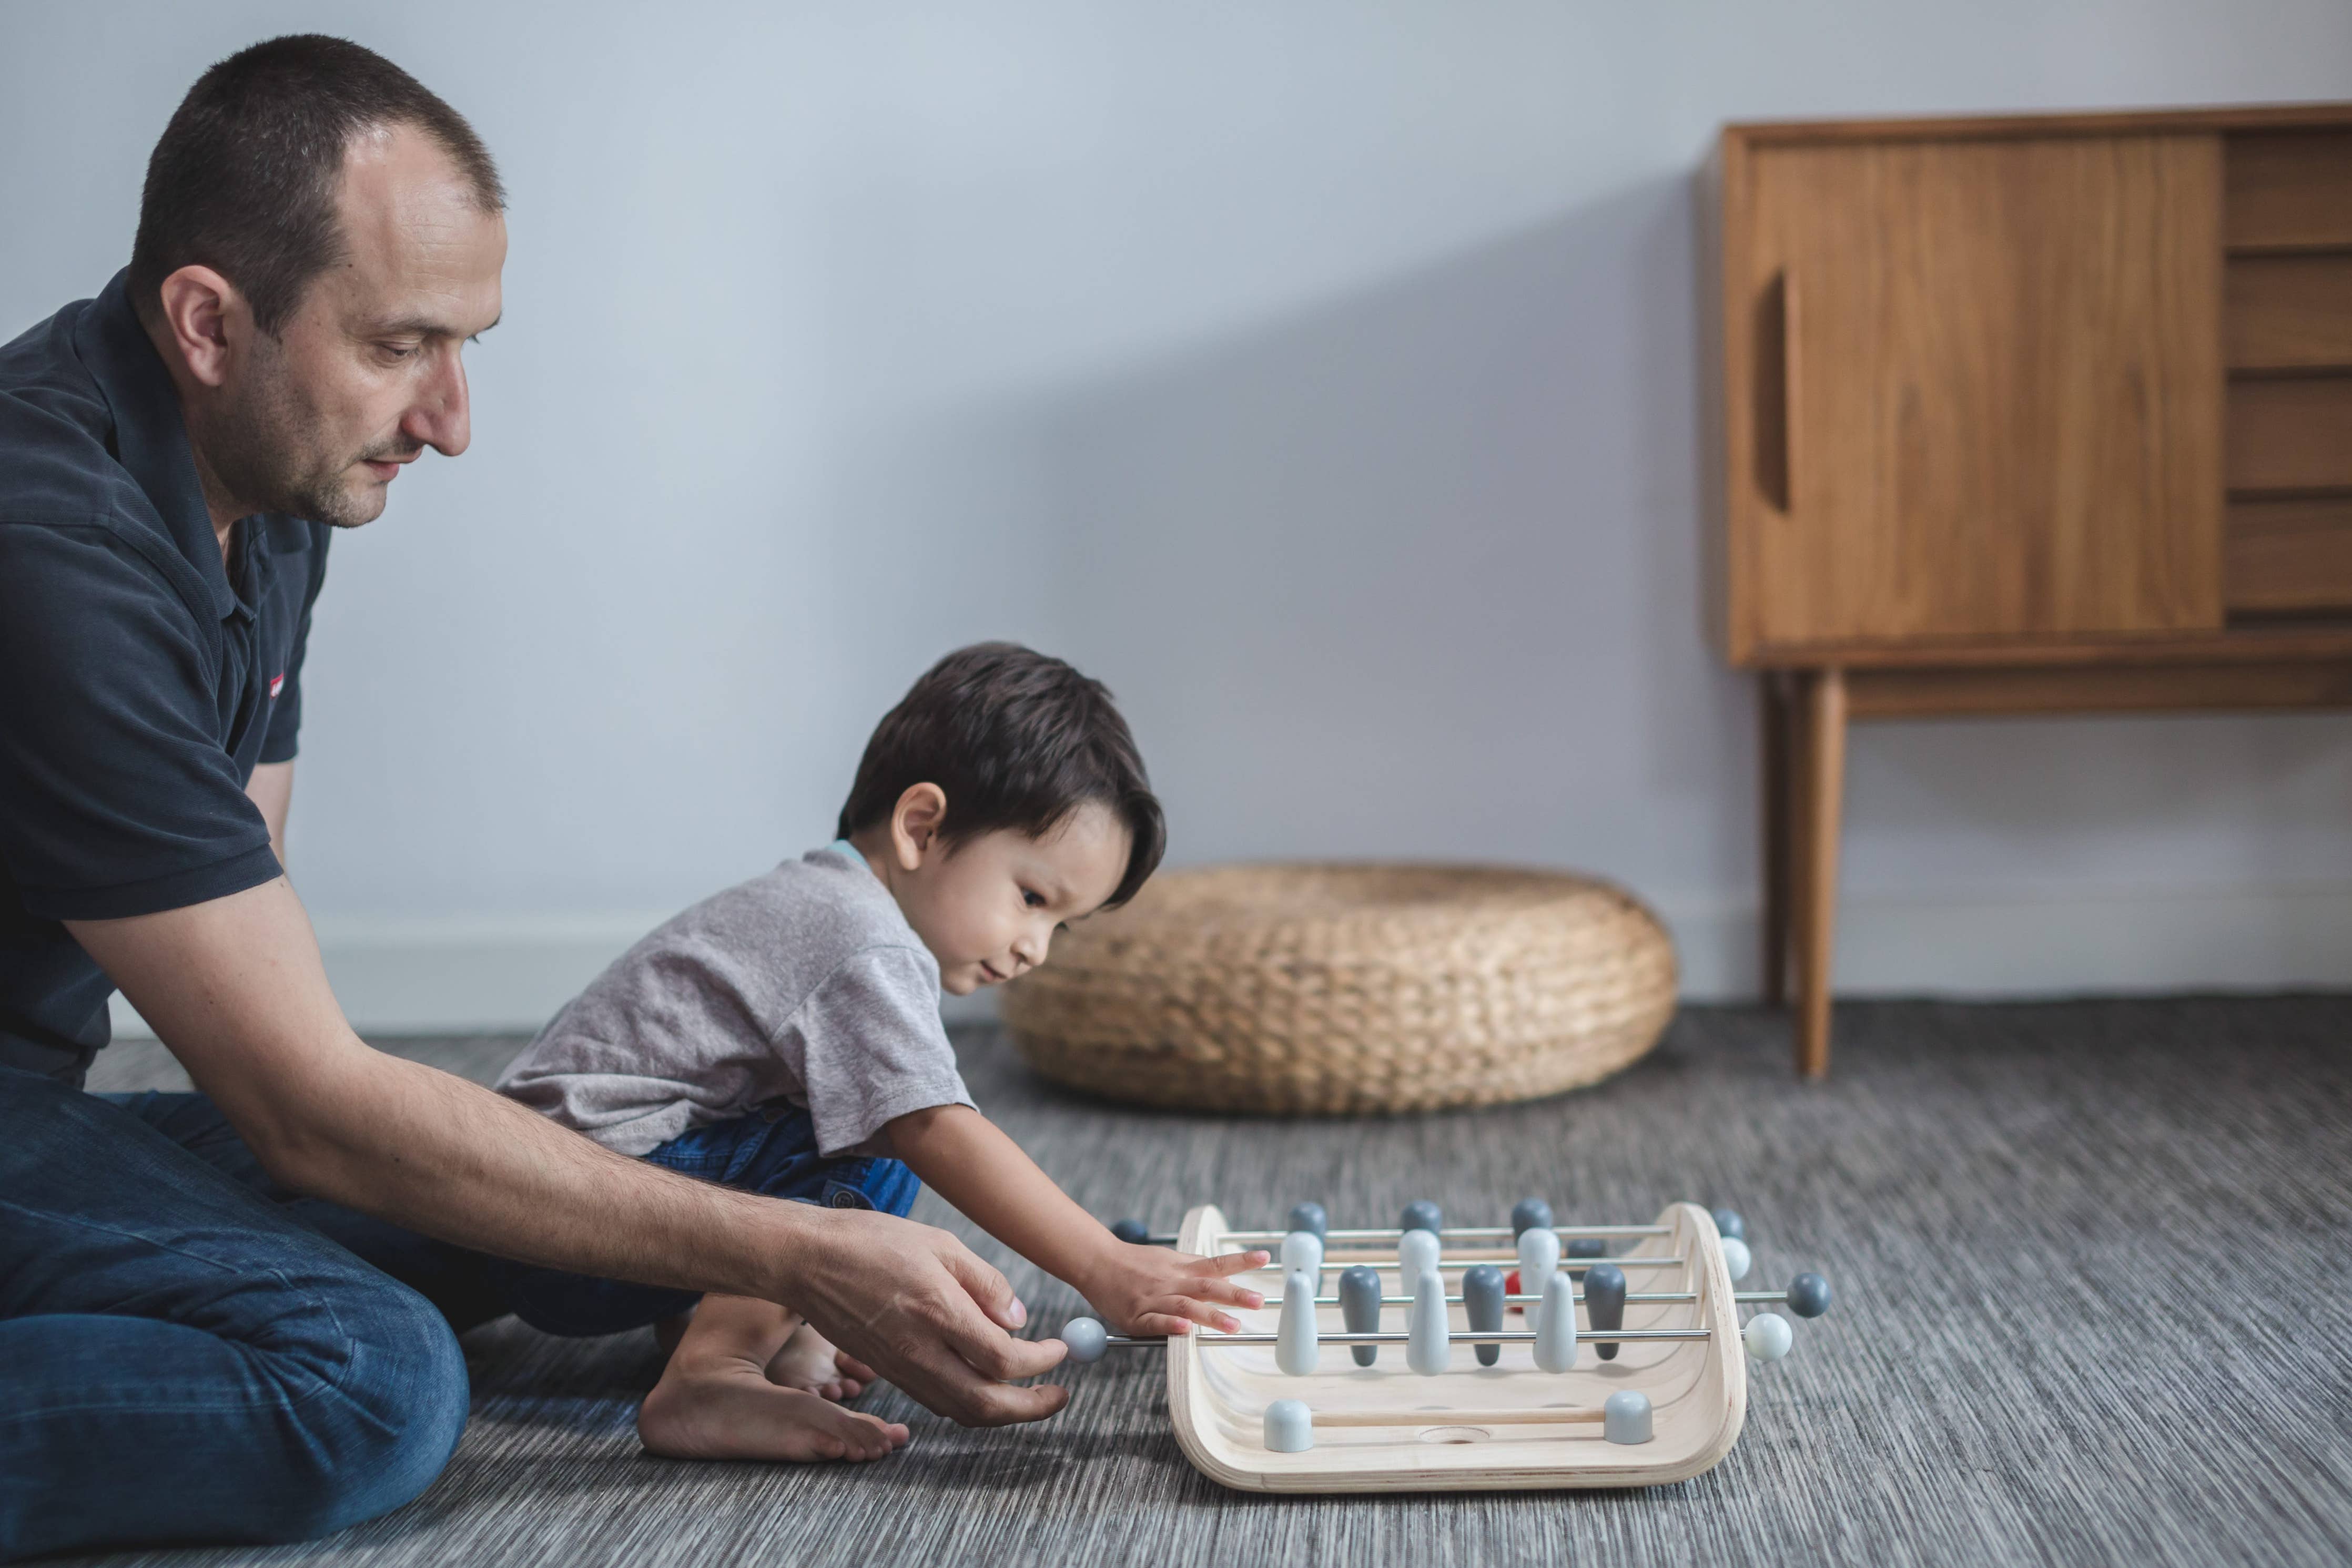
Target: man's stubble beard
point(269, 448)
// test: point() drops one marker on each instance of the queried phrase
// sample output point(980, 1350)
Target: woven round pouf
point(1333, 990)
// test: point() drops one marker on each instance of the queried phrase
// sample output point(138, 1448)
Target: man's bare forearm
point(451, 1159)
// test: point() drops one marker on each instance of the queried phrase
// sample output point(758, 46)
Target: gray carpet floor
point(2090, 1260)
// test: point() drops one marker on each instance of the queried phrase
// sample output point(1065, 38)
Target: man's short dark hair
point(1017, 740)
point(244, 177)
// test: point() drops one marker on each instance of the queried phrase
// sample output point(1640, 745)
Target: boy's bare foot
point(727, 1409)
point(809, 1361)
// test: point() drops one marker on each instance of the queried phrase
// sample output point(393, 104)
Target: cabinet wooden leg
point(1821, 788)
point(1773, 759)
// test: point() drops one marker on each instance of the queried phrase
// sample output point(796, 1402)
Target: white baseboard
point(468, 975)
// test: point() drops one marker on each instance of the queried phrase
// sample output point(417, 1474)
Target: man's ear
point(915, 824)
point(203, 311)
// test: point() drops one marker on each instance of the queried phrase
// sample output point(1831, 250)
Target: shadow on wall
point(1413, 572)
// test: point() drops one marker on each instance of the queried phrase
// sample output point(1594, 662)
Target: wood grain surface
point(2252, 119)
point(2240, 687)
point(2288, 312)
point(2290, 433)
point(2290, 556)
point(2290, 190)
point(2002, 383)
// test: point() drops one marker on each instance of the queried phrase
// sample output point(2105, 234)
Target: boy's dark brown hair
point(1017, 739)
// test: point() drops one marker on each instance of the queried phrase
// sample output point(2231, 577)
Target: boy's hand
point(969, 1161)
point(1145, 1290)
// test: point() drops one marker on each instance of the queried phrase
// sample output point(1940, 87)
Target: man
point(229, 1315)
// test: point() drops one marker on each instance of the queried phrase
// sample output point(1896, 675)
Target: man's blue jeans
point(190, 1352)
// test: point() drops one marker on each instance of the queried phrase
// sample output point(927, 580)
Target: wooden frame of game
point(1508, 1426)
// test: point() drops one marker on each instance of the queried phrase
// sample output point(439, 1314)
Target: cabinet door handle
point(1790, 339)
point(1774, 398)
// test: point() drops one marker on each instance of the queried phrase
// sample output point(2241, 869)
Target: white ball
point(1769, 1336)
point(1735, 1258)
point(1087, 1338)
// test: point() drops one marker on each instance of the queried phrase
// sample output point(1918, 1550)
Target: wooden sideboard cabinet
point(2034, 414)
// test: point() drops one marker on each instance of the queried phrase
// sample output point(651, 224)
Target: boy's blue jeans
point(190, 1352)
point(772, 1153)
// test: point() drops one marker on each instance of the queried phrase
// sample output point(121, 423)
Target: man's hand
point(916, 1305)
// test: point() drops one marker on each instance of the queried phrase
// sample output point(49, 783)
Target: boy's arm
point(970, 1162)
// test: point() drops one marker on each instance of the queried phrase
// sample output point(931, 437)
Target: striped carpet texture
point(2091, 1263)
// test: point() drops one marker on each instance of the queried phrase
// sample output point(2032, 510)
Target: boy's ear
point(916, 822)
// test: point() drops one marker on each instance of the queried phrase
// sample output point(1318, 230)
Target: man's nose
point(443, 416)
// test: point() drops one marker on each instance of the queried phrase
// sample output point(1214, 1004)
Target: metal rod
point(1499, 1336)
point(1469, 1259)
point(1469, 1233)
point(1633, 1298)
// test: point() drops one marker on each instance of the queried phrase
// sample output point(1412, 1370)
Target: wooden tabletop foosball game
point(1628, 1365)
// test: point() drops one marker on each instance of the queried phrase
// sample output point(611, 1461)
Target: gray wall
point(1321, 375)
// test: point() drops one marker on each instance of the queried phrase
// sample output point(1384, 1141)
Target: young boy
point(784, 1037)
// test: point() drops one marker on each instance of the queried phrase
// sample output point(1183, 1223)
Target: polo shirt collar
point(151, 439)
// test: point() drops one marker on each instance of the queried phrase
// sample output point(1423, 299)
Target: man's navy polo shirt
point(141, 680)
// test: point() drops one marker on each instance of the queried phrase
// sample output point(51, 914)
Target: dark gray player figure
point(1360, 1307)
point(1481, 1302)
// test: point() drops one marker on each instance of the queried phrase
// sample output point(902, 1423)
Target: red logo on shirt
point(277, 684)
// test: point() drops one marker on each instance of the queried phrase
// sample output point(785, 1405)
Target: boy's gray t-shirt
point(805, 985)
